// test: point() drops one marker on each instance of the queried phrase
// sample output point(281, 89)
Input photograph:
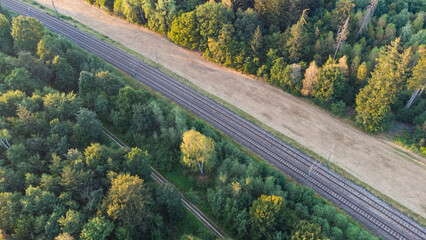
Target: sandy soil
point(379, 163)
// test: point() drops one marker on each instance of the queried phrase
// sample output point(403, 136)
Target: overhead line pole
point(54, 8)
point(329, 155)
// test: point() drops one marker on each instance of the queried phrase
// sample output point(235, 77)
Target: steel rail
point(162, 180)
point(229, 110)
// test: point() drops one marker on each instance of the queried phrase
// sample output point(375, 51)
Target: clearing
point(388, 168)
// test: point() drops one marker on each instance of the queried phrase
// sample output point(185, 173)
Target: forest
point(60, 178)
point(363, 60)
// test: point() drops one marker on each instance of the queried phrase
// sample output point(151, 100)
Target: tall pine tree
point(387, 80)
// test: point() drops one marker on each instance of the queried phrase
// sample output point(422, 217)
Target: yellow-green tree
point(26, 33)
point(264, 214)
point(343, 9)
point(197, 150)
point(296, 41)
point(2, 235)
point(418, 78)
point(128, 202)
point(361, 73)
point(189, 237)
point(387, 80)
point(306, 231)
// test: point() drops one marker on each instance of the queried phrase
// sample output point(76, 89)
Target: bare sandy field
point(377, 162)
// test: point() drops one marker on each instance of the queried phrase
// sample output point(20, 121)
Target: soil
point(390, 169)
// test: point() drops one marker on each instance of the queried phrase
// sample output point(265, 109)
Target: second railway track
point(162, 180)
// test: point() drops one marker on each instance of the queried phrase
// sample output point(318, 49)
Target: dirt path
point(379, 163)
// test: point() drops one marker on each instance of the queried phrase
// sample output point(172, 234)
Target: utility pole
point(311, 171)
point(156, 56)
point(54, 8)
point(329, 155)
point(134, 68)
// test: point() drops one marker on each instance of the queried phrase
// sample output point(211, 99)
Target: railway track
point(362, 205)
point(162, 180)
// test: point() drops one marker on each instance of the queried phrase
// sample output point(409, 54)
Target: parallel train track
point(361, 204)
point(162, 180)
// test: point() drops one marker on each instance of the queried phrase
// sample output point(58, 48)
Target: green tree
point(60, 105)
point(306, 231)
point(71, 223)
point(246, 24)
point(49, 47)
point(297, 38)
point(184, 31)
point(278, 13)
point(17, 155)
point(87, 89)
point(256, 41)
point(35, 66)
point(161, 18)
point(20, 79)
point(69, 179)
point(418, 22)
point(279, 73)
point(108, 82)
point(9, 211)
point(77, 59)
point(418, 78)
point(211, 17)
point(264, 214)
point(9, 102)
point(388, 78)
point(49, 183)
point(126, 98)
point(362, 72)
point(343, 10)
point(37, 202)
point(197, 150)
point(97, 228)
point(287, 77)
point(221, 50)
point(143, 120)
point(26, 33)
point(137, 163)
point(169, 198)
point(88, 128)
point(64, 75)
point(330, 83)
point(5, 36)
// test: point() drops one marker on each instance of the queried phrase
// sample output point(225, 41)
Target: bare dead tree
point(368, 15)
point(417, 92)
point(342, 35)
